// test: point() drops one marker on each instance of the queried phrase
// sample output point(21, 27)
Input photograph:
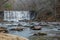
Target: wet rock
point(50, 28)
point(55, 27)
point(39, 34)
point(43, 25)
point(3, 30)
point(17, 29)
point(19, 25)
point(4, 36)
point(36, 27)
point(58, 29)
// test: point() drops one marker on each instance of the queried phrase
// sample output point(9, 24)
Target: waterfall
point(16, 15)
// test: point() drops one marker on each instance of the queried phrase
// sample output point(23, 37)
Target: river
point(52, 32)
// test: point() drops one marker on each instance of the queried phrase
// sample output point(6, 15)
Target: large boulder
point(36, 27)
point(4, 36)
point(3, 30)
point(17, 29)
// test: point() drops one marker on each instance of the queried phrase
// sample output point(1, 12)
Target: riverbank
point(4, 36)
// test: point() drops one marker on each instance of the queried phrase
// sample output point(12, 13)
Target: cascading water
point(16, 15)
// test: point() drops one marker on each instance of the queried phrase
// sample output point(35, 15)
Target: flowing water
point(52, 33)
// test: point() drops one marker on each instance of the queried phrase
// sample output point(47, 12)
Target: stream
point(53, 32)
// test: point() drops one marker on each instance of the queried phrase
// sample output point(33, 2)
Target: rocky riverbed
point(49, 32)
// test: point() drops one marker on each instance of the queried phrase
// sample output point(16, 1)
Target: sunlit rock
point(36, 27)
point(17, 29)
point(4, 36)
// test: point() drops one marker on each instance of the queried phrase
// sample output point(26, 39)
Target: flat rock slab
point(4, 36)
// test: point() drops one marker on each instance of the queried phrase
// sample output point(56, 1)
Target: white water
point(16, 15)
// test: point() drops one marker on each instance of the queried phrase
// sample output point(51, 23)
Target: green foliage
point(8, 6)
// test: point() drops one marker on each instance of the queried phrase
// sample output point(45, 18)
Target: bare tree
point(2, 2)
